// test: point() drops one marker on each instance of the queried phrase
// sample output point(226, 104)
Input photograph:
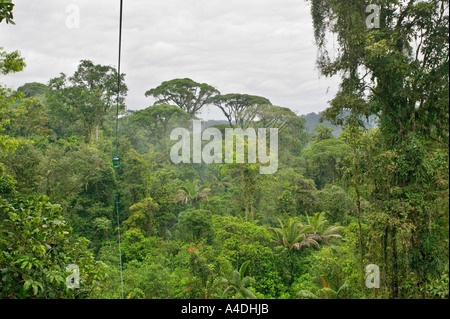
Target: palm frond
point(246, 292)
point(248, 280)
point(227, 267)
point(308, 294)
point(344, 287)
point(243, 269)
point(332, 230)
point(228, 289)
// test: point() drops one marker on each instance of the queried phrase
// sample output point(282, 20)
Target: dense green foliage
point(335, 205)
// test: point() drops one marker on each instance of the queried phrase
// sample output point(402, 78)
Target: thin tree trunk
point(395, 264)
point(246, 208)
point(360, 240)
point(97, 129)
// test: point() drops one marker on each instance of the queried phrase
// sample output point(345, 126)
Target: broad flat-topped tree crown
point(239, 108)
point(187, 94)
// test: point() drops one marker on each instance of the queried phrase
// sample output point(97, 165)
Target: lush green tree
point(155, 214)
point(192, 192)
point(80, 167)
point(144, 216)
point(158, 120)
point(9, 63)
point(438, 288)
point(162, 188)
point(82, 181)
point(322, 161)
point(291, 131)
point(356, 164)
point(403, 201)
point(325, 292)
point(246, 176)
point(324, 132)
point(238, 241)
point(22, 164)
point(236, 280)
point(132, 173)
point(294, 235)
point(332, 267)
point(282, 118)
point(29, 119)
point(187, 94)
point(303, 194)
point(318, 229)
point(337, 205)
point(37, 245)
point(201, 270)
point(87, 96)
point(135, 246)
point(239, 109)
point(148, 280)
point(297, 195)
point(33, 89)
point(195, 225)
point(398, 71)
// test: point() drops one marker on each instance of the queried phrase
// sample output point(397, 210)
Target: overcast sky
point(258, 47)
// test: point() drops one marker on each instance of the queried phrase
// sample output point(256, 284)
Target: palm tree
point(221, 180)
point(192, 192)
point(326, 292)
point(318, 230)
point(294, 235)
point(236, 280)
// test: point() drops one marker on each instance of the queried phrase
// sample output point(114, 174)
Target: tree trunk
point(394, 280)
point(246, 209)
point(360, 240)
point(49, 187)
point(97, 129)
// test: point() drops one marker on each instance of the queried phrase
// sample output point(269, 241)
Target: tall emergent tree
point(282, 118)
point(158, 120)
point(239, 109)
point(88, 96)
point(397, 70)
point(187, 94)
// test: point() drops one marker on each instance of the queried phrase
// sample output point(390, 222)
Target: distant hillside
point(313, 119)
point(213, 123)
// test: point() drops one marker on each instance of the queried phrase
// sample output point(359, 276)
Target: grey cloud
point(261, 47)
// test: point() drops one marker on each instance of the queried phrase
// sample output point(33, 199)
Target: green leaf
point(26, 285)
